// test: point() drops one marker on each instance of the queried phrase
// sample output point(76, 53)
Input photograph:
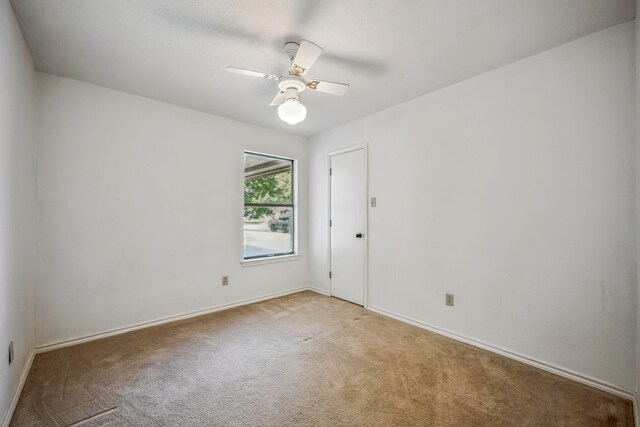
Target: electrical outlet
point(11, 356)
point(225, 280)
point(449, 299)
point(373, 202)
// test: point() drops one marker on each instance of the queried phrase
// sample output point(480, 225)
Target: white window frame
point(277, 258)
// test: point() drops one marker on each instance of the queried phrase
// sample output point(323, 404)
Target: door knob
point(359, 236)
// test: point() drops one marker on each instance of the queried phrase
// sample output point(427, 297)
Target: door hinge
point(330, 171)
point(330, 223)
point(329, 275)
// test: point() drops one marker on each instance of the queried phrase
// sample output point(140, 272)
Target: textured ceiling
point(388, 50)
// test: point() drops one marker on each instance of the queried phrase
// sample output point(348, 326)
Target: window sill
point(270, 260)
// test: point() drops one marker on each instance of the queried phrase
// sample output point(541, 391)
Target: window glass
point(268, 206)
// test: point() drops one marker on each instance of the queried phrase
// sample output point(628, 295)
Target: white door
point(347, 225)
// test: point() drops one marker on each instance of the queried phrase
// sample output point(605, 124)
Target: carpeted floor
point(300, 360)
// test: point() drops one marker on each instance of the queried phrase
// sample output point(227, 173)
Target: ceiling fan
point(302, 57)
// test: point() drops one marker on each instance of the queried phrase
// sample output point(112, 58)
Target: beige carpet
point(300, 360)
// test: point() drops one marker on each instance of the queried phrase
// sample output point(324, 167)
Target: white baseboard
point(67, 343)
point(23, 379)
point(593, 382)
point(636, 416)
point(567, 373)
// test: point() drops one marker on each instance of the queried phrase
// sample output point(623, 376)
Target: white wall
point(17, 203)
point(141, 211)
point(514, 190)
point(637, 117)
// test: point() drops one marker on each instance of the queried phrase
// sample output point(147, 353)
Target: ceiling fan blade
point(279, 99)
point(307, 54)
point(252, 73)
point(328, 87)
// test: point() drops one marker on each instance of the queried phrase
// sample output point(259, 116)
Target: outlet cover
point(449, 300)
point(11, 355)
point(225, 280)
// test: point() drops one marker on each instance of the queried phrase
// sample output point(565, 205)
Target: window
point(269, 206)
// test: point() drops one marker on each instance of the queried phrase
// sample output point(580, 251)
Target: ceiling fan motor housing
point(292, 82)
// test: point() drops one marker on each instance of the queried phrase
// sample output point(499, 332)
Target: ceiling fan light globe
point(292, 111)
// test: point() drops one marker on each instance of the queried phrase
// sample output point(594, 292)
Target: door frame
point(349, 149)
